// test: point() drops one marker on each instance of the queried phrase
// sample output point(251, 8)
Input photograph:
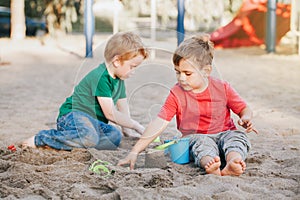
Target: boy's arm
point(246, 120)
point(113, 115)
point(123, 107)
point(154, 129)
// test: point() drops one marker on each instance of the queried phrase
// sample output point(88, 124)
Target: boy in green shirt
point(100, 97)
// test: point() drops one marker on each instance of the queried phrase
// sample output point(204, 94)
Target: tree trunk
point(18, 27)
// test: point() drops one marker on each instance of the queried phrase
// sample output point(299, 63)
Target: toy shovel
point(166, 145)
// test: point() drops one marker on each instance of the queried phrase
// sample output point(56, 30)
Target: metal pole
point(153, 26)
point(180, 21)
point(89, 26)
point(271, 26)
point(298, 33)
point(153, 20)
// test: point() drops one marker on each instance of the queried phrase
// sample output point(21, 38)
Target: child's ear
point(207, 69)
point(116, 61)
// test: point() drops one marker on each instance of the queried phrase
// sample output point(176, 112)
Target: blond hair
point(126, 45)
point(198, 49)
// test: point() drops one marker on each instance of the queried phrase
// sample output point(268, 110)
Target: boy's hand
point(130, 159)
point(129, 133)
point(138, 127)
point(247, 124)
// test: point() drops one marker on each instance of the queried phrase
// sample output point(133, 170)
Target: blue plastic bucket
point(180, 151)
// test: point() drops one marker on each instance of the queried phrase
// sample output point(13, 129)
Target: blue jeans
point(80, 130)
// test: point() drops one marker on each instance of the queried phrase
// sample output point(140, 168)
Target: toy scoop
point(166, 145)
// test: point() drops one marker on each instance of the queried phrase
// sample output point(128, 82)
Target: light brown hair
point(198, 49)
point(126, 45)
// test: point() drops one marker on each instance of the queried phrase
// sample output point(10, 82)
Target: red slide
point(248, 28)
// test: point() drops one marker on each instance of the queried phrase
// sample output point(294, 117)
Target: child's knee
point(115, 136)
point(109, 140)
point(89, 139)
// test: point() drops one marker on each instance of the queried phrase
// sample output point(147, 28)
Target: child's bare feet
point(28, 143)
point(234, 167)
point(213, 166)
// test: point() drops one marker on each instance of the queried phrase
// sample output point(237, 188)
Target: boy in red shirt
point(202, 107)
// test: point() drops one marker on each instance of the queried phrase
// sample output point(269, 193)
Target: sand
point(35, 78)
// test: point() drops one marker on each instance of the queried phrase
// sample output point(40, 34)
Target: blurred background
point(54, 18)
point(68, 15)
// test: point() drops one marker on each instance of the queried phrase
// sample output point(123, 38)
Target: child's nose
point(182, 77)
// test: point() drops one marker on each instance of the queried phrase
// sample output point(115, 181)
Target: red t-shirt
point(207, 112)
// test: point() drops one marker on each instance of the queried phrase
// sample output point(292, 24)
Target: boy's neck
point(200, 90)
point(203, 88)
point(111, 70)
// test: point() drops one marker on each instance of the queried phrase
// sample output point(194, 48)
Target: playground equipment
point(295, 21)
point(256, 23)
point(180, 21)
point(271, 26)
point(89, 27)
point(248, 28)
point(89, 23)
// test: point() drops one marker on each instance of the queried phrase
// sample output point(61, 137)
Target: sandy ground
point(35, 79)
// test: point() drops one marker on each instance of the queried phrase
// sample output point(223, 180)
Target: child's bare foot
point(234, 167)
point(213, 166)
point(28, 143)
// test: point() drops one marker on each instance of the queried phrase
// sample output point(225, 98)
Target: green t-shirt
point(97, 83)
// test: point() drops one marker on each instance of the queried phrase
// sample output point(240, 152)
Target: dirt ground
point(36, 77)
